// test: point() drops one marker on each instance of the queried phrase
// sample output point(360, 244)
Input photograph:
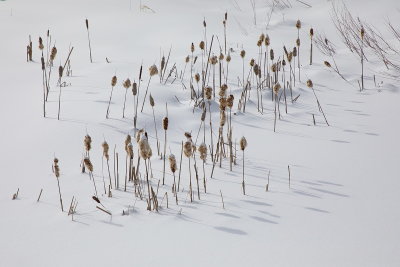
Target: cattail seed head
point(252, 62)
point(262, 37)
point(129, 150)
point(228, 58)
point(298, 42)
point(172, 163)
point(188, 135)
point(87, 142)
point(214, 60)
point(298, 24)
point(230, 101)
point(87, 24)
point(43, 64)
point(290, 56)
point(56, 168)
point(127, 83)
point(222, 91)
point(203, 151)
point(309, 83)
point(151, 100)
point(144, 148)
point(267, 40)
point(208, 92)
point(226, 16)
point(311, 33)
point(114, 81)
point(134, 88)
point(327, 64)
point(55, 161)
point(128, 140)
point(197, 77)
point(201, 45)
point(242, 53)
point(192, 48)
point(273, 67)
point(153, 70)
point(105, 150)
point(187, 59)
point(284, 63)
point(221, 57)
point(162, 63)
point(88, 164)
point(362, 32)
point(60, 71)
point(222, 103)
point(188, 149)
point(255, 69)
point(243, 143)
point(277, 87)
point(165, 123)
point(294, 51)
point(259, 43)
point(203, 115)
point(41, 46)
point(271, 54)
point(53, 53)
point(138, 135)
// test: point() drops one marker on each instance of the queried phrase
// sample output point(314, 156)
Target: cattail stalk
point(60, 73)
point(165, 127)
point(113, 83)
point(126, 84)
point(243, 145)
point(153, 71)
point(56, 170)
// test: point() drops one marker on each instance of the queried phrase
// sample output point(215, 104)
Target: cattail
point(230, 101)
point(362, 32)
point(271, 54)
point(222, 91)
point(203, 151)
point(311, 45)
point(60, 72)
point(256, 69)
point(252, 62)
point(134, 89)
point(162, 63)
point(172, 163)
point(310, 83)
point(298, 24)
point(114, 81)
point(187, 59)
point(267, 41)
point(277, 87)
point(129, 150)
point(139, 135)
point(214, 60)
point(327, 64)
point(153, 70)
point(105, 150)
point(259, 43)
point(88, 164)
point(127, 83)
point(273, 67)
point(151, 101)
point(242, 53)
point(53, 53)
point(222, 103)
point(262, 37)
point(88, 143)
point(197, 77)
point(290, 56)
point(208, 92)
point(144, 148)
point(243, 145)
point(90, 48)
point(311, 33)
point(165, 123)
point(192, 48)
point(41, 46)
point(298, 42)
point(294, 52)
point(188, 149)
point(43, 64)
point(228, 58)
point(221, 57)
point(188, 135)
point(201, 45)
point(56, 170)
point(128, 140)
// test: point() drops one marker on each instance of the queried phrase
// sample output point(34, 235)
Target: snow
point(342, 205)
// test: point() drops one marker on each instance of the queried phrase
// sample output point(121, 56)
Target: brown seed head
point(222, 118)
point(127, 83)
point(311, 33)
point(223, 103)
point(327, 64)
point(267, 40)
point(105, 150)
point(87, 24)
point(192, 48)
point(277, 87)
point(162, 63)
point(228, 58)
point(259, 43)
point(188, 135)
point(153, 70)
point(197, 77)
point(271, 54)
point(203, 151)
point(53, 53)
point(87, 142)
point(144, 148)
point(114, 81)
point(273, 67)
point(134, 88)
point(294, 51)
point(290, 56)
point(41, 46)
point(309, 83)
point(298, 42)
point(172, 163)
point(221, 57)
point(208, 92)
point(362, 32)
point(43, 64)
point(188, 149)
point(252, 62)
point(243, 143)
point(201, 45)
point(60, 71)
point(151, 101)
point(298, 24)
point(165, 123)
point(187, 59)
point(230, 101)
point(242, 53)
point(88, 164)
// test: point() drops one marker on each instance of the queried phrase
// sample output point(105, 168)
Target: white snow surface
point(342, 208)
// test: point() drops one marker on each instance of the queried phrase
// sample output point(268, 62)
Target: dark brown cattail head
point(262, 37)
point(197, 77)
point(243, 143)
point(362, 32)
point(56, 168)
point(188, 135)
point(221, 57)
point(214, 60)
point(298, 42)
point(127, 83)
point(153, 70)
point(55, 161)
point(208, 92)
point(43, 65)
point(294, 51)
point(226, 16)
point(273, 67)
point(204, 23)
point(172, 163)
point(88, 164)
point(327, 64)
point(271, 54)
point(228, 58)
point(203, 151)
point(60, 71)
point(187, 59)
point(201, 45)
point(87, 24)
point(309, 83)
point(277, 87)
point(222, 91)
point(230, 101)
point(134, 88)
point(252, 62)
point(255, 69)
point(298, 24)
point(311, 33)
point(162, 63)
point(283, 63)
point(290, 56)
point(41, 46)
point(114, 81)
point(242, 53)
point(267, 40)
point(151, 100)
point(222, 103)
point(53, 53)
point(259, 43)
point(165, 123)
point(203, 115)
point(192, 48)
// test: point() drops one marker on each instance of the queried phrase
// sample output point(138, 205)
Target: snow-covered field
point(342, 206)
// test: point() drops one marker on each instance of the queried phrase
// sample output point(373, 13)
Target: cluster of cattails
point(56, 170)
